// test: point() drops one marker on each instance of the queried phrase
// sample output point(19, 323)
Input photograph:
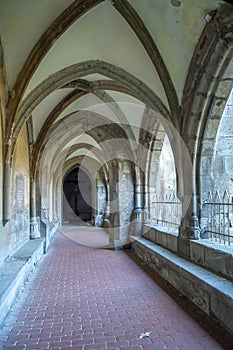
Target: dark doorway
point(77, 197)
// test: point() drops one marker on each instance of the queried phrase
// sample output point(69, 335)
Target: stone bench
point(14, 273)
point(209, 291)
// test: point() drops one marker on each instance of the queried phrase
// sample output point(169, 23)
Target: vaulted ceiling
point(110, 57)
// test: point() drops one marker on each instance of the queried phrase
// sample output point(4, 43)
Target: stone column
point(126, 200)
point(59, 203)
point(55, 200)
point(139, 197)
point(189, 228)
point(106, 216)
point(57, 197)
point(7, 193)
point(34, 228)
point(146, 203)
point(114, 203)
point(97, 212)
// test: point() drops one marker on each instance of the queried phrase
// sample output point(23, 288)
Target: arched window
point(165, 208)
point(217, 178)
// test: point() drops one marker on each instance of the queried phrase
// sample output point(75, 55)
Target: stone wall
point(200, 277)
point(1, 175)
point(223, 161)
point(16, 232)
point(202, 252)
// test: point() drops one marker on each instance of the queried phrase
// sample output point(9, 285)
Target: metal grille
point(217, 218)
point(166, 211)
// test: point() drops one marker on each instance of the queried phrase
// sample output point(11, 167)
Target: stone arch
point(85, 196)
point(55, 197)
point(134, 20)
point(209, 63)
point(106, 134)
point(94, 87)
point(77, 160)
point(64, 21)
point(152, 134)
point(58, 79)
point(76, 10)
point(207, 159)
point(101, 129)
point(101, 167)
point(101, 178)
point(211, 58)
point(96, 151)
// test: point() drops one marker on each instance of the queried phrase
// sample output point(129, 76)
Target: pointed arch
point(76, 10)
point(60, 78)
point(136, 23)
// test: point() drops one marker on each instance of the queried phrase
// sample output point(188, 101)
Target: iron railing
point(166, 211)
point(216, 218)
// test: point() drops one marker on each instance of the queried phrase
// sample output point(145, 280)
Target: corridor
point(85, 296)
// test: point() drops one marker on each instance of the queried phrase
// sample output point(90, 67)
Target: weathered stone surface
point(224, 145)
point(197, 253)
point(17, 232)
point(192, 288)
point(211, 128)
point(15, 271)
point(219, 165)
point(172, 242)
point(208, 291)
point(229, 166)
point(162, 240)
point(214, 256)
point(167, 240)
point(222, 309)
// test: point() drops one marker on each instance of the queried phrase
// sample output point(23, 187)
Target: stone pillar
point(189, 228)
point(146, 203)
point(106, 216)
point(34, 228)
point(139, 198)
point(55, 200)
point(7, 193)
point(59, 203)
point(100, 207)
point(126, 200)
point(186, 164)
point(114, 203)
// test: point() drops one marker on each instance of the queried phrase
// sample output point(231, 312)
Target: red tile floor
point(82, 296)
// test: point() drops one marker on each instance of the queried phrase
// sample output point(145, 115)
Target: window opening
point(165, 208)
point(217, 208)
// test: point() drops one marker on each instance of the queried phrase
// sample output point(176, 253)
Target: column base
point(192, 230)
point(137, 225)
